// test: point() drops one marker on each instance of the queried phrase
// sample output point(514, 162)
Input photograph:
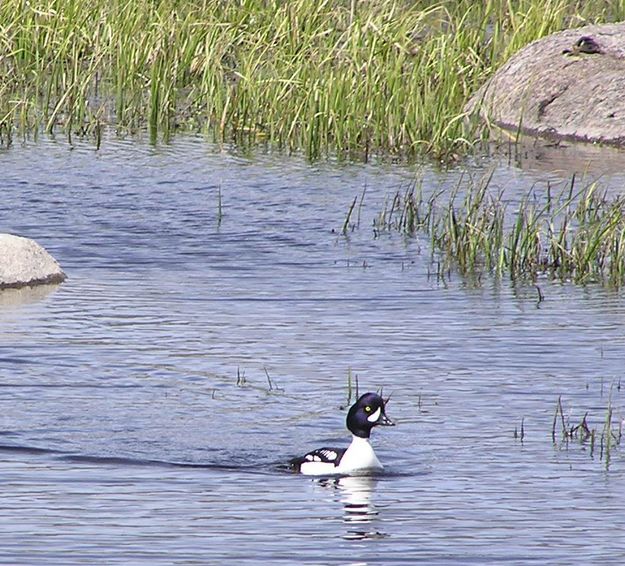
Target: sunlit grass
point(575, 235)
point(350, 77)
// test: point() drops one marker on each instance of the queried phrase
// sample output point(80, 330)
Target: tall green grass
point(351, 77)
point(576, 235)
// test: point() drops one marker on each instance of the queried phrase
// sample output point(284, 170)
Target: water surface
point(148, 404)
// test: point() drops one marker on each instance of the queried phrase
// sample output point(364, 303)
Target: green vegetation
point(349, 77)
point(609, 435)
point(576, 235)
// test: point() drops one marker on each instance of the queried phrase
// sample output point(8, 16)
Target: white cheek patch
point(373, 418)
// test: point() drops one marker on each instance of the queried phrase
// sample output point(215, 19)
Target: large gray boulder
point(24, 262)
point(569, 85)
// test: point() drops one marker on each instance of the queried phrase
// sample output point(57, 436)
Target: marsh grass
point(574, 235)
point(608, 433)
point(348, 77)
point(352, 387)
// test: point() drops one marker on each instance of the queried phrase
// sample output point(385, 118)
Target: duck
point(585, 44)
point(359, 457)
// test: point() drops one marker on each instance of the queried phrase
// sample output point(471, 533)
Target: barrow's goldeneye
point(359, 457)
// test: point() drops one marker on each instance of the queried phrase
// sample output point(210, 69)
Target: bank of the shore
point(347, 78)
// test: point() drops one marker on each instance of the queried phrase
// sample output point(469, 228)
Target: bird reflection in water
point(359, 512)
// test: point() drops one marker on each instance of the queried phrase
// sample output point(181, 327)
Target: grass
point(350, 78)
point(352, 388)
point(609, 433)
point(576, 235)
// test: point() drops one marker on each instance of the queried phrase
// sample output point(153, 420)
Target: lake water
point(148, 404)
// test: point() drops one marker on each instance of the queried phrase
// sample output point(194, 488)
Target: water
point(148, 404)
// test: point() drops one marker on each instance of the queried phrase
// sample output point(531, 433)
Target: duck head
point(367, 412)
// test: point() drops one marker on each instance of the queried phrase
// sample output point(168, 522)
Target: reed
point(352, 387)
point(348, 77)
point(609, 433)
point(576, 235)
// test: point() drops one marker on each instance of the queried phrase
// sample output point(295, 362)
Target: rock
point(568, 85)
point(24, 262)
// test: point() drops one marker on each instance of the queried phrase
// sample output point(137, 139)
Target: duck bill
point(385, 421)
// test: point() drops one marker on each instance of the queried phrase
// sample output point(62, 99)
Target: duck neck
point(360, 456)
point(359, 432)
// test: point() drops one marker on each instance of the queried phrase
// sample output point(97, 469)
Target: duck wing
point(329, 456)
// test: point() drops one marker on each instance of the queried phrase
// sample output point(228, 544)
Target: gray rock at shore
point(569, 85)
point(24, 262)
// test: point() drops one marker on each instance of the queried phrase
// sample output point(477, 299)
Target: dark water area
point(148, 404)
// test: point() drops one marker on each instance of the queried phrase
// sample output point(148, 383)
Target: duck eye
point(367, 409)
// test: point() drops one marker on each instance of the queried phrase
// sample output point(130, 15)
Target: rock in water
point(568, 85)
point(24, 262)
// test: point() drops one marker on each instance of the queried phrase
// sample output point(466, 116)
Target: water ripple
point(148, 403)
